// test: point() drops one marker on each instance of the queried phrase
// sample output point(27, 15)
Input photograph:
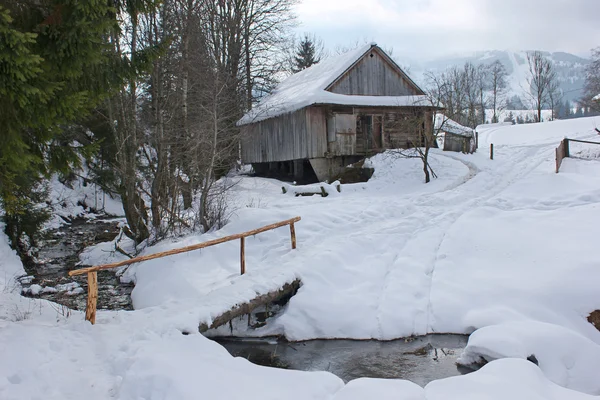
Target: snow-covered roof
point(307, 88)
point(597, 97)
point(447, 125)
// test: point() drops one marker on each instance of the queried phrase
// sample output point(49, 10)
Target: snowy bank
point(565, 357)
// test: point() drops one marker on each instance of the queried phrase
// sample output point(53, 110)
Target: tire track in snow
point(526, 160)
point(534, 156)
point(390, 227)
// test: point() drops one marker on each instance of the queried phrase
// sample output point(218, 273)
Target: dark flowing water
point(420, 360)
point(58, 253)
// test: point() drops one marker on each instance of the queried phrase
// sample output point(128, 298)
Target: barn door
point(371, 130)
point(376, 132)
point(367, 129)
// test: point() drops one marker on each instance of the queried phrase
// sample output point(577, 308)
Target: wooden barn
point(333, 114)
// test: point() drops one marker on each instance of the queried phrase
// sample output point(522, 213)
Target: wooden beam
point(289, 289)
point(185, 249)
point(293, 235)
point(242, 257)
point(581, 141)
point(92, 299)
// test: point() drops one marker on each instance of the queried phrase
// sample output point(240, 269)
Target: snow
point(504, 250)
point(597, 97)
point(539, 133)
point(330, 189)
point(380, 389)
point(307, 87)
point(565, 357)
point(447, 125)
point(79, 201)
point(10, 264)
point(523, 114)
point(509, 379)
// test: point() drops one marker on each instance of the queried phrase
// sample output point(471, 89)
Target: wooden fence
point(92, 272)
point(563, 151)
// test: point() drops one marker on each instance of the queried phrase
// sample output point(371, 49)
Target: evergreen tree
point(56, 65)
point(568, 113)
point(307, 53)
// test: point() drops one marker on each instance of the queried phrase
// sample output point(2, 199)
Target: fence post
point(566, 147)
point(491, 151)
point(242, 256)
point(293, 235)
point(92, 299)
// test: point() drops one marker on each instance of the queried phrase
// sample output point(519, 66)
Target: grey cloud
point(552, 25)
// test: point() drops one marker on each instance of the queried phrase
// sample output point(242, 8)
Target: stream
point(58, 253)
point(418, 359)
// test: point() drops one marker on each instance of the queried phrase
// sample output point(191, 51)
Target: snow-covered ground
point(79, 199)
point(505, 249)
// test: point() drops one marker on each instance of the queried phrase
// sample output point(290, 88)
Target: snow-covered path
point(391, 243)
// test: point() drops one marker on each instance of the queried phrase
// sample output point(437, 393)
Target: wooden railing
point(562, 151)
point(92, 272)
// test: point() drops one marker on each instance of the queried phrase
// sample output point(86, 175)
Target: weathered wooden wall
point(341, 130)
point(292, 136)
point(457, 143)
point(320, 131)
point(374, 76)
point(396, 132)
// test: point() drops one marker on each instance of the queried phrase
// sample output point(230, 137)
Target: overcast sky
point(424, 29)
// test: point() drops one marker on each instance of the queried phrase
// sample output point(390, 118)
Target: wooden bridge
point(240, 309)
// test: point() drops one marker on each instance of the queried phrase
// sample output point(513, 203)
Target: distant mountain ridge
point(570, 69)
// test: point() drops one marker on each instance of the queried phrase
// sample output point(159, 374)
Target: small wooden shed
point(333, 114)
point(452, 136)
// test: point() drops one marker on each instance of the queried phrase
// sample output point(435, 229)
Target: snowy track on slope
point(387, 295)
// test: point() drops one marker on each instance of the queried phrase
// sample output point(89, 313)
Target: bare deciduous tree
point(541, 79)
point(497, 85)
point(424, 124)
point(174, 127)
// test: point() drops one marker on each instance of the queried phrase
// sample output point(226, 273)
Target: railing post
point(293, 234)
point(491, 151)
point(242, 256)
point(92, 299)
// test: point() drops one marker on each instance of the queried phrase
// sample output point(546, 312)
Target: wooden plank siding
point(374, 75)
point(316, 122)
point(303, 133)
point(292, 136)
